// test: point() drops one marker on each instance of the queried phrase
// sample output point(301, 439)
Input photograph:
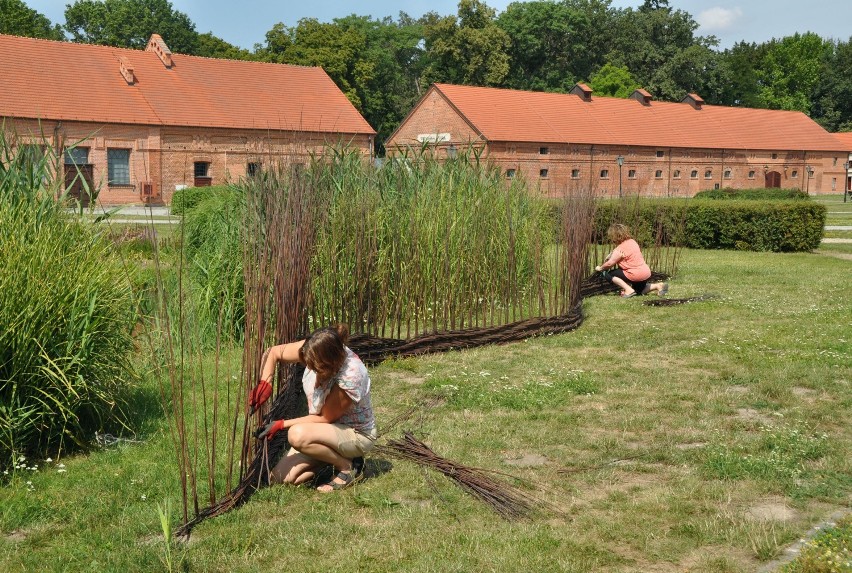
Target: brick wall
point(658, 172)
point(165, 157)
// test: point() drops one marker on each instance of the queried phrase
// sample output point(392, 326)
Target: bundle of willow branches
point(508, 501)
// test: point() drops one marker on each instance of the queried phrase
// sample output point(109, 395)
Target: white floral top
point(353, 379)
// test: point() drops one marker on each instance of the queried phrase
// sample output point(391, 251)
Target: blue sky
point(244, 22)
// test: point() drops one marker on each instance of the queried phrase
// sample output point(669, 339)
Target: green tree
point(832, 102)
point(210, 46)
point(469, 49)
point(659, 47)
point(613, 81)
point(130, 23)
point(376, 63)
point(18, 19)
point(546, 41)
point(789, 71)
point(739, 68)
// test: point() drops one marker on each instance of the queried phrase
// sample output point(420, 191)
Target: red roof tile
point(60, 80)
point(511, 115)
point(845, 139)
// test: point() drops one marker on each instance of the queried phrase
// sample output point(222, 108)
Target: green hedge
point(778, 226)
point(761, 194)
point(184, 200)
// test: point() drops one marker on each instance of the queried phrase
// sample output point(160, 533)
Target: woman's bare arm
point(288, 353)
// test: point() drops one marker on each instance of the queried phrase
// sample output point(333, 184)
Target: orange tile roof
point(522, 116)
point(845, 139)
point(61, 80)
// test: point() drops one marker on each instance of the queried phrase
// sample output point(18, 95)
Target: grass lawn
point(701, 437)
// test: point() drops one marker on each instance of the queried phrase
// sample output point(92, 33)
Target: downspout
point(669, 178)
point(591, 164)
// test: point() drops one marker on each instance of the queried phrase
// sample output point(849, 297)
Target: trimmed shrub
point(779, 226)
point(761, 194)
point(66, 319)
point(187, 199)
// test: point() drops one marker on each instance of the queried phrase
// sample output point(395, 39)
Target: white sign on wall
point(433, 137)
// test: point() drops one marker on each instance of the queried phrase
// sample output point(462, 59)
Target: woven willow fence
point(415, 260)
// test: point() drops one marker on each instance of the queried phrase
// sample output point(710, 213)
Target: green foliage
point(17, 19)
point(66, 317)
point(376, 63)
point(613, 81)
point(184, 200)
point(213, 252)
point(779, 226)
point(828, 552)
point(759, 194)
point(470, 49)
point(130, 23)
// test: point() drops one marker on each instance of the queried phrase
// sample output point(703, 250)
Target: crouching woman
point(626, 267)
point(339, 428)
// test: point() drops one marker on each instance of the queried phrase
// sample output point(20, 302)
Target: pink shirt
point(630, 259)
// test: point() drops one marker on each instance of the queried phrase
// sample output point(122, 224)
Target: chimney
point(642, 96)
point(126, 69)
point(582, 90)
point(694, 100)
point(159, 47)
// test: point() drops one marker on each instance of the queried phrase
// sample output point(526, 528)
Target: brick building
point(626, 146)
point(846, 141)
point(140, 124)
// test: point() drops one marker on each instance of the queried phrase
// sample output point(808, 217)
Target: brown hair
point(618, 233)
point(324, 350)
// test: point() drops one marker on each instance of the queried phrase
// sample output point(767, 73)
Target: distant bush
point(761, 194)
point(778, 226)
point(185, 199)
point(66, 318)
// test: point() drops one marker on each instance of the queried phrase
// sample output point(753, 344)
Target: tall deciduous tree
point(789, 71)
point(613, 81)
point(376, 63)
point(468, 49)
point(211, 46)
point(659, 47)
point(18, 19)
point(832, 102)
point(130, 23)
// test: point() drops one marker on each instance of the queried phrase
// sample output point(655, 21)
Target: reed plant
point(421, 245)
point(66, 314)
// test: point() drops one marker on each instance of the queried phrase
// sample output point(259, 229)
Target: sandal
point(346, 477)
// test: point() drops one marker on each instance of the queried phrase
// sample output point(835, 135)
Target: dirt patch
point(526, 461)
point(737, 389)
point(803, 392)
point(771, 510)
point(407, 377)
point(752, 415)
point(690, 445)
point(16, 536)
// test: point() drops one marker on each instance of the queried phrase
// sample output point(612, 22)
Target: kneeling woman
point(632, 273)
point(339, 428)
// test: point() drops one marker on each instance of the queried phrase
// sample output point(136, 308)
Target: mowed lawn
point(698, 437)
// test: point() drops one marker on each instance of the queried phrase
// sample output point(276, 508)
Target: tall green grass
point(66, 315)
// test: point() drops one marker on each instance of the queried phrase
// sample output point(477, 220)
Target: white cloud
point(718, 18)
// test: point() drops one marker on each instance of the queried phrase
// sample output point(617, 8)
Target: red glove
point(271, 429)
point(259, 395)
